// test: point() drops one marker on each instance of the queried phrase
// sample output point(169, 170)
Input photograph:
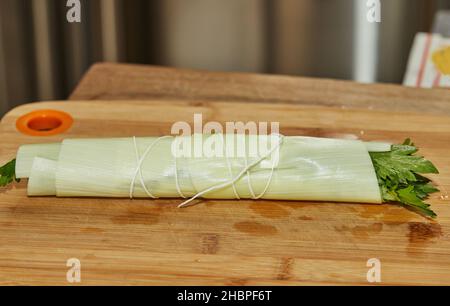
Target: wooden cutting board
point(122, 241)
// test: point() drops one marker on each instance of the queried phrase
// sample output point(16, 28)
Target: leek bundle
point(294, 168)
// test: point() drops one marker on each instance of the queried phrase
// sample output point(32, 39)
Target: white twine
point(177, 184)
point(229, 167)
point(249, 179)
point(138, 170)
point(140, 160)
point(231, 182)
point(246, 170)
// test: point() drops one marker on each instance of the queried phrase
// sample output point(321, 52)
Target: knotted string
point(236, 178)
point(140, 160)
point(246, 170)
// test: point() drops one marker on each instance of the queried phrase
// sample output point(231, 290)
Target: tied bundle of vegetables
point(306, 168)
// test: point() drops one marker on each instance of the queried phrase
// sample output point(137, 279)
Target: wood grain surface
point(122, 241)
point(109, 81)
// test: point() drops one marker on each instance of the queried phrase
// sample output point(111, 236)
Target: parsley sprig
point(8, 173)
point(400, 180)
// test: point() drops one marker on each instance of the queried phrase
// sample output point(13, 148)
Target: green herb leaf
point(399, 176)
point(8, 173)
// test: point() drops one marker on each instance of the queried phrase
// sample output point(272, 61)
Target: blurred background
point(42, 56)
